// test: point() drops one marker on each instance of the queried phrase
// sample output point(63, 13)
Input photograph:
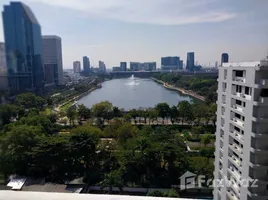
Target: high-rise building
point(171, 63)
point(216, 64)
point(77, 66)
point(190, 61)
point(224, 58)
point(123, 66)
point(241, 135)
point(23, 43)
point(3, 68)
point(52, 58)
point(86, 64)
point(150, 66)
point(134, 66)
point(102, 66)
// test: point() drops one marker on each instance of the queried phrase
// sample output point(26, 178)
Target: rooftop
point(242, 64)
point(12, 195)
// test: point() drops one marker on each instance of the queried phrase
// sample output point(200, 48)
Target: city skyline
point(92, 28)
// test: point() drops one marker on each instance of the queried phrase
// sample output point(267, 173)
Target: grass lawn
point(66, 106)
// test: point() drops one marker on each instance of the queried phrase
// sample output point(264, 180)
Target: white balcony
point(235, 186)
point(235, 173)
point(231, 195)
point(241, 95)
point(238, 150)
point(238, 136)
point(238, 108)
point(238, 122)
point(236, 161)
point(239, 79)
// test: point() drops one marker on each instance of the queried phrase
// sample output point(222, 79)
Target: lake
point(129, 93)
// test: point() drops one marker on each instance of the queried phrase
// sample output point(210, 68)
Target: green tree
point(83, 112)
point(134, 114)
point(7, 111)
point(116, 112)
point(173, 193)
point(30, 100)
point(15, 146)
point(113, 179)
point(152, 115)
point(174, 114)
point(71, 114)
point(102, 111)
point(185, 111)
point(163, 110)
point(206, 139)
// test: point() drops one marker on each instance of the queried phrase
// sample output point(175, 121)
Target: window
point(264, 93)
point(238, 102)
point(237, 129)
point(239, 73)
point(247, 90)
point(244, 104)
point(237, 115)
point(239, 88)
point(225, 73)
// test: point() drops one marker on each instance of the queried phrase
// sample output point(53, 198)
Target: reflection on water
point(132, 81)
point(133, 92)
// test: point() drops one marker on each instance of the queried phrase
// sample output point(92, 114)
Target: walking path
point(187, 92)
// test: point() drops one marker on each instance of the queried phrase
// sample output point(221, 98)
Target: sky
point(146, 30)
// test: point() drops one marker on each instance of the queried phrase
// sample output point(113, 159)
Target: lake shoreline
point(183, 91)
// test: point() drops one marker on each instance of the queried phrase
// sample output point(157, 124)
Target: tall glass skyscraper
point(23, 42)
point(190, 61)
point(86, 64)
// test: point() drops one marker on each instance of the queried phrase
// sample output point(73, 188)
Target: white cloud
point(162, 12)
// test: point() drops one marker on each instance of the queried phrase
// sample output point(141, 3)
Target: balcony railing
point(238, 122)
point(238, 108)
point(239, 79)
point(237, 148)
point(235, 173)
point(236, 161)
point(231, 195)
point(238, 135)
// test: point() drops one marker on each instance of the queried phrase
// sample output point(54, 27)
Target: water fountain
point(132, 81)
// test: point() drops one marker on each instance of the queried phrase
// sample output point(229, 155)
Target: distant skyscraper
point(123, 66)
point(190, 61)
point(86, 64)
point(216, 64)
point(150, 66)
point(171, 63)
point(224, 58)
point(134, 66)
point(3, 68)
point(23, 43)
point(52, 58)
point(102, 66)
point(77, 66)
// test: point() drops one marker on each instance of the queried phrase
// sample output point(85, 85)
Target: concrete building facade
point(242, 131)
point(52, 58)
point(76, 66)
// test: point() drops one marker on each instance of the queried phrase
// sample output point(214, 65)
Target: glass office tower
point(23, 42)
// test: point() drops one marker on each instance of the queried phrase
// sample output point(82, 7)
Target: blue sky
point(146, 30)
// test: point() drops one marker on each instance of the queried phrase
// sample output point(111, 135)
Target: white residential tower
point(242, 131)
